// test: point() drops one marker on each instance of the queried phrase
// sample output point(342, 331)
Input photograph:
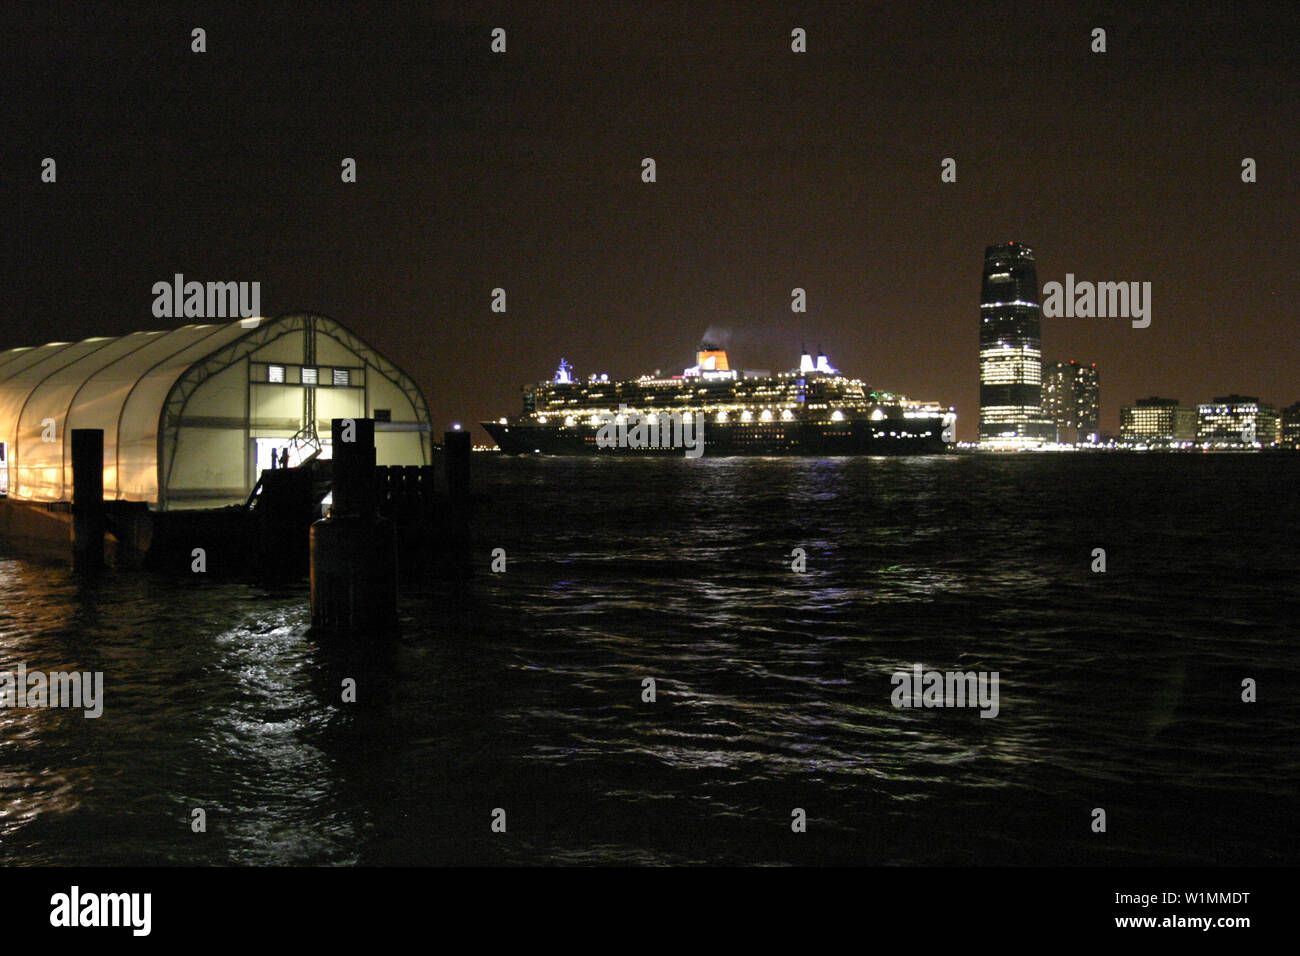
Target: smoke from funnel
point(717, 336)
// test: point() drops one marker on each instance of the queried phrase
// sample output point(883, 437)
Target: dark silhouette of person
point(284, 458)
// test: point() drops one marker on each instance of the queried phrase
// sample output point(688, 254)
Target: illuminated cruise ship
point(714, 410)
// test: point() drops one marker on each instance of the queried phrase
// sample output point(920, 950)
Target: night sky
point(775, 170)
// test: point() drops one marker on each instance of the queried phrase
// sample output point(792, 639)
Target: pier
point(198, 450)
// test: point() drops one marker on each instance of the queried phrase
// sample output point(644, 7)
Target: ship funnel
point(710, 358)
point(805, 360)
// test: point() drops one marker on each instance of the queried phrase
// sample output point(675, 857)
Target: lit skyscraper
point(1072, 399)
point(1011, 358)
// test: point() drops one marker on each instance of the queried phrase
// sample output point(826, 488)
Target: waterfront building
point(1072, 400)
point(192, 415)
point(1236, 421)
point(1290, 426)
point(1157, 421)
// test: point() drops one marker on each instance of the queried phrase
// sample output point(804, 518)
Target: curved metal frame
point(188, 382)
point(117, 447)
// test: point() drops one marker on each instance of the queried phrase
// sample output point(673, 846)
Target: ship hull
point(816, 439)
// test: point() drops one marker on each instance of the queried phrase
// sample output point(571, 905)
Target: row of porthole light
point(745, 416)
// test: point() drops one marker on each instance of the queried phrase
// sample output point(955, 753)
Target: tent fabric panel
point(10, 356)
point(35, 464)
point(137, 430)
point(26, 358)
point(17, 386)
point(79, 385)
point(332, 352)
point(332, 403)
point(222, 393)
point(99, 404)
point(399, 448)
point(52, 399)
point(385, 393)
point(207, 460)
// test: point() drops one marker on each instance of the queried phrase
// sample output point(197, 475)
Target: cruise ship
point(715, 410)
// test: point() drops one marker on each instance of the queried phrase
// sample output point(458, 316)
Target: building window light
point(342, 376)
point(275, 373)
point(309, 375)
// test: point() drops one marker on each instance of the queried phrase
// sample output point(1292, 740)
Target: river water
point(523, 691)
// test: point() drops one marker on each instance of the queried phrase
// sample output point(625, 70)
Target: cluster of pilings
point(382, 518)
point(376, 513)
point(405, 490)
point(409, 496)
point(354, 550)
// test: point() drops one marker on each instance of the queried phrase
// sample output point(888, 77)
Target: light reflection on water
point(523, 690)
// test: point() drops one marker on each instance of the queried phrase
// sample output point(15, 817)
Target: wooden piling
point(456, 448)
point(354, 550)
point(87, 498)
point(456, 560)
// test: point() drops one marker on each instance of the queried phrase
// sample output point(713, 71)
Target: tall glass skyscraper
point(1011, 357)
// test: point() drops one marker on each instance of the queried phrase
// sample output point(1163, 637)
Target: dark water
point(523, 690)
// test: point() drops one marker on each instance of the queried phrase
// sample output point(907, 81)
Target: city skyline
point(775, 170)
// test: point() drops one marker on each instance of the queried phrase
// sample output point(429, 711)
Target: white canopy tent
point(185, 412)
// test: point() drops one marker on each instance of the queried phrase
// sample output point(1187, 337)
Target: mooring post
point(87, 498)
point(456, 447)
point(354, 466)
point(354, 550)
point(456, 548)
